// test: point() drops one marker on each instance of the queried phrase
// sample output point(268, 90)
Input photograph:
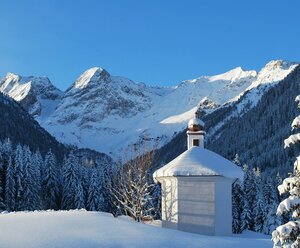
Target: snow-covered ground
point(92, 229)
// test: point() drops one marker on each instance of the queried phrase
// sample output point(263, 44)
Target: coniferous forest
point(30, 181)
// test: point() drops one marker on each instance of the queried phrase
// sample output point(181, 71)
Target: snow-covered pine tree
point(79, 196)
point(95, 199)
point(246, 216)
point(19, 175)
point(288, 235)
point(85, 180)
point(109, 175)
point(6, 154)
point(72, 192)
point(30, 198)
point(249, 195)
point(39, 163)
point(10, 189)
point(237, 206)
point(156, 196)
point(258, 213)
point(2, 181)
point(271, 202)
point(50, 182)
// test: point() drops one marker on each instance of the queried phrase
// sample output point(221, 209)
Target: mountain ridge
point(108, 113)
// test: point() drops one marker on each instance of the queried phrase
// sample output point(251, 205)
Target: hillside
point(20, 127)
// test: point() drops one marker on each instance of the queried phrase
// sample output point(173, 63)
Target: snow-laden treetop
point(199, 162)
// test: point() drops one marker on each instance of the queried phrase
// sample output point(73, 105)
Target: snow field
point(82, 229)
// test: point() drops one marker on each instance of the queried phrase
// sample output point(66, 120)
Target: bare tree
point(132, 185)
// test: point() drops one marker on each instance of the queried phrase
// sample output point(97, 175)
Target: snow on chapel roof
point(199, 162)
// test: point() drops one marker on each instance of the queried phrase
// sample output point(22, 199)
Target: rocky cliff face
point(97, 95)
point(36, 94)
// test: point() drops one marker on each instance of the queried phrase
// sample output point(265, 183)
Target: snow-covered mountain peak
point(15, 79)
point(14, 86)
point(275, 67)
point(274, 64)
point(273, 72)
point(234, 75)
point(11, 75)
point(92, 75)
point(35, 94)
point(230, 77)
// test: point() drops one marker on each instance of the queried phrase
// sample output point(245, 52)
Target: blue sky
point(156, 42)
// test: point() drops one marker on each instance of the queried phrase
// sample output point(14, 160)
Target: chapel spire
point(195, 133)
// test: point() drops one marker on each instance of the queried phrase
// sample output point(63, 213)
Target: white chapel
point(196, 187)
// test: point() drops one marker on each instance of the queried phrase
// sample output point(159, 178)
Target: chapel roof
point(199, 161)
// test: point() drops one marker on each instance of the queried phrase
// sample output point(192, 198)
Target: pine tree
point(156, 195)
point(249, 193)
point(259, 213)
point(39, 164)
point(19, 174)
point(85, 179)
point(258, 204)
point(95, 199)
point(50, 182)
point(30, 198)
point(2, 171)
point(6, 150)
point(246, 216)
point(79, 197)
point(72, 193)
point(6, 155)
point(237, 207)
point(271, 202)
point(288, 235)
point(10, 189)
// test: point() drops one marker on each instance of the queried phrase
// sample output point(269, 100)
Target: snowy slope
point(269, 76)
point(91, 229)
point(36, 94)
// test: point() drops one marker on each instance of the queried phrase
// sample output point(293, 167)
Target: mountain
point(255, 132)
point(268, 77)
point(108, 113)
point(36, 94)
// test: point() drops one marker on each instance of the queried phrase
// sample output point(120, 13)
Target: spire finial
point(196, 124)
